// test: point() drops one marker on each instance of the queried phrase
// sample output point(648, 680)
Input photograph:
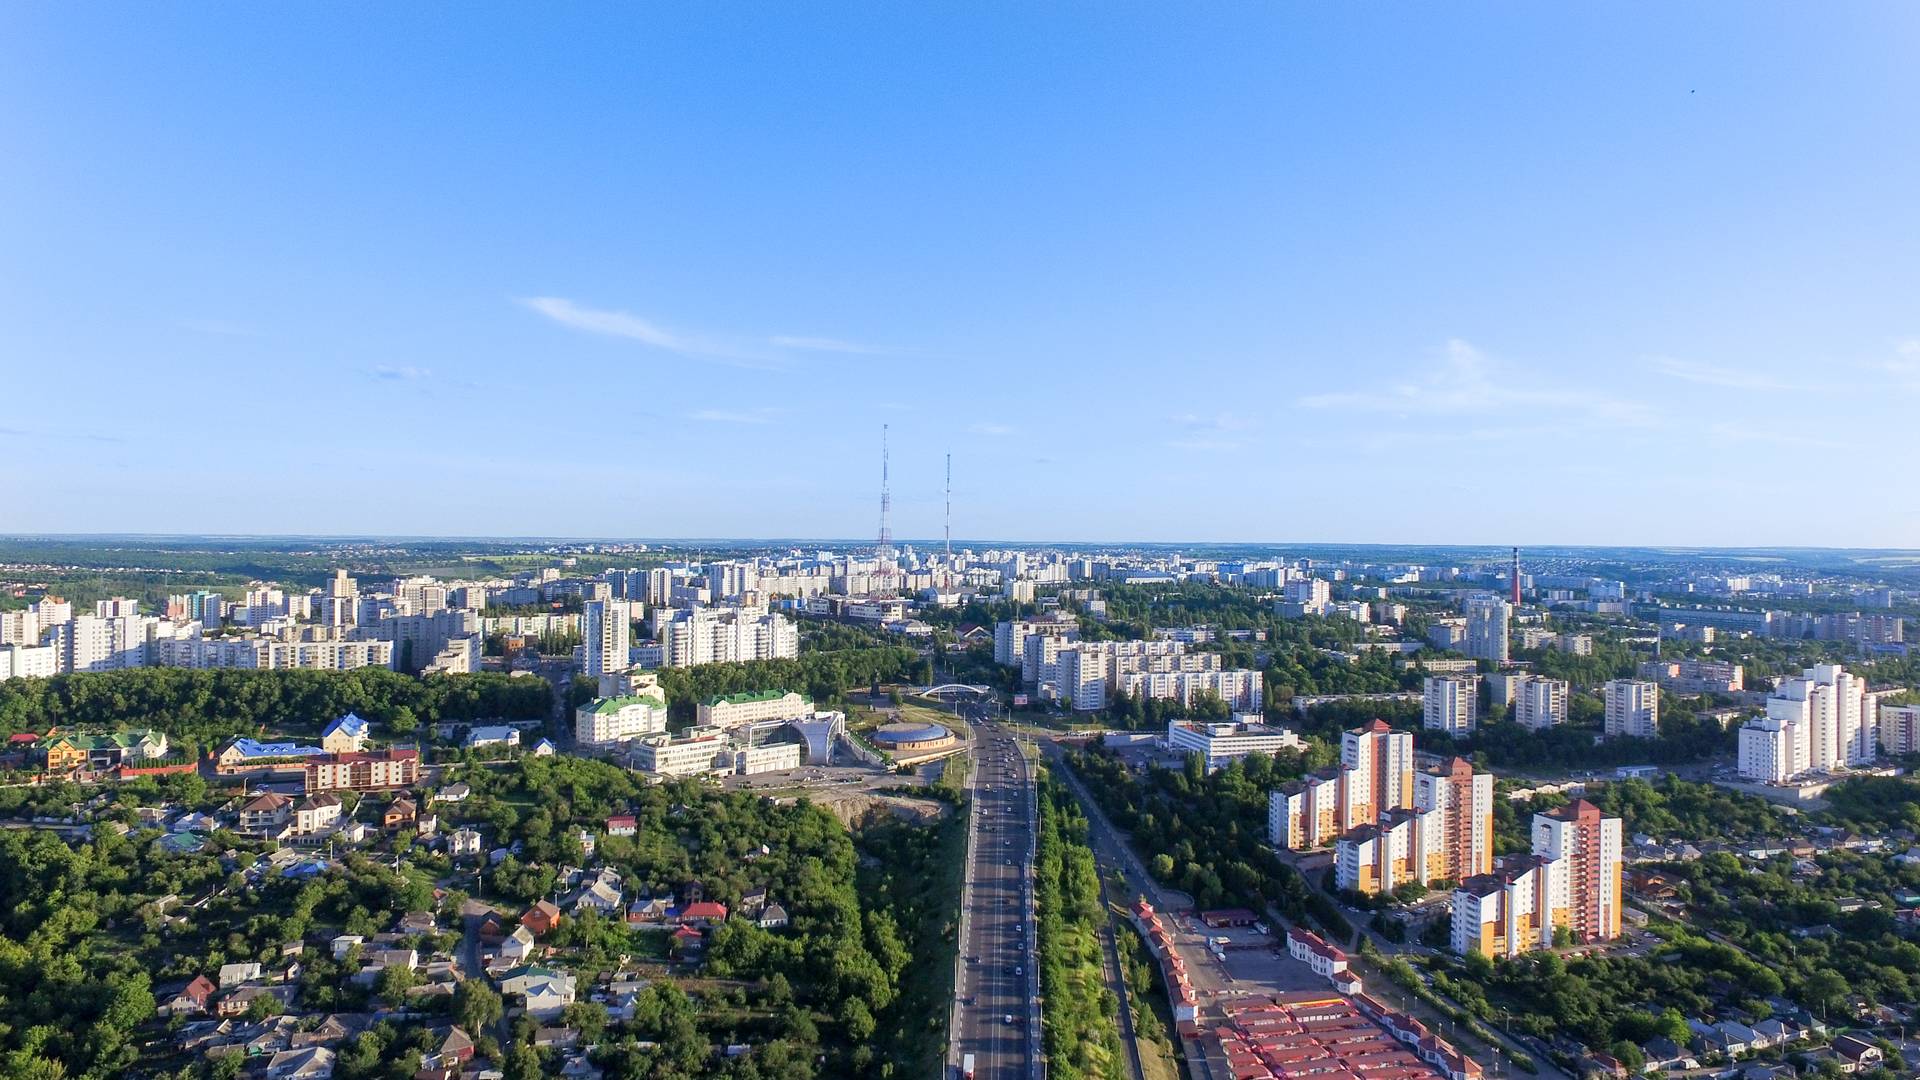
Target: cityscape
point(622, 809)
point(876, 541)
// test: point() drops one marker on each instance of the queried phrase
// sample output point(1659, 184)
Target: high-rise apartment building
point(1446, 835)
point(1591, 842)
point(1822, 721)
point(1375, 775)
point(1465, 799)
point(1451, 703)
point(1487, 629)
point(340, 605)
point(690, 636)
point(1632, 709)
point(606, 630)
point(1571, 881)
point(1539, 702)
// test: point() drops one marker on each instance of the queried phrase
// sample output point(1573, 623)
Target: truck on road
point(966, 1067)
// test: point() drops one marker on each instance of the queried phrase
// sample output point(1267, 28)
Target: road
point(996, 978)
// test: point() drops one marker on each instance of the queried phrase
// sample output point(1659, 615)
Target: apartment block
point(1571, 881)
point(1695, 676)
point(1632, 709)
point(1539, 702)
point(1451, 703)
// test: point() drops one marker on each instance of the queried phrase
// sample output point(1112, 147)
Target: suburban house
point(704, 913)
point(316, 812)
point(400, 812)
point(517, 946)
point(541, 917)
point(232, 975)
point(545, 991)
point(265, 814)
point(622, 825)
point(189, 999)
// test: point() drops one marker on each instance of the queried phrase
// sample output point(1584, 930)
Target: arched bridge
point(953, 692)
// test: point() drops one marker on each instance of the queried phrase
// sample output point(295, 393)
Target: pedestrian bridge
point(954, 692)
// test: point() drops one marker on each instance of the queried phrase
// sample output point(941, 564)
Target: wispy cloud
point(1904, 366)
point(826, 344)
point(1724, 377)
point(399, 373)
point(1204, 444)
point(1223, 421)
point(217, 327)
point(733, 416)
point(736, 349)
point(1466, 382)
point(1724, 431)
point(621, 324)
point(62, 435)
point(993, 431)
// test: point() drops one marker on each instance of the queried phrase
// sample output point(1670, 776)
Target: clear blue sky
point(1522, 273)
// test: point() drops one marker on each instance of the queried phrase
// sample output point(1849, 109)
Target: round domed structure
point(909, 737)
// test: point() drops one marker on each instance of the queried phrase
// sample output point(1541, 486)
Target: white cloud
point(400, 373)
point(1724, 377)
point(621, 324)
point(733, 416)
point(1466, 383)
point(1217, 422)
point(1728, 432)
point(825, 344)
point(991, 430)
point(217, 327)
point(1202, 443)
point(1905, 364)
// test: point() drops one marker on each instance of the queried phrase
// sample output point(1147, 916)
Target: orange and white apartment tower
point(1375, 775)
point(1572, 879)
point(1447, 835)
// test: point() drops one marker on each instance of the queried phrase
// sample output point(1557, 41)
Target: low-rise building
point(1219, 744)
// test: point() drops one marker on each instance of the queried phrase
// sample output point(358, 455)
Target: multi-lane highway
point(996, 1015)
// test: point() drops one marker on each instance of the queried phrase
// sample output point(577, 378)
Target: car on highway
point(1009, 1020)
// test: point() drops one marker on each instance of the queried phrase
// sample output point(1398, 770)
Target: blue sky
point(1487, 274)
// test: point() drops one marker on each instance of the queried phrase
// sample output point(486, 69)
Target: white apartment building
point(1539, 702)
point(1632, 709)
point(1451, 703)
point(606, 629)
point(1773, 749)
point(19, 628)
point(270, 653)
point(1221, 744)
point(29, 662)
point(96, 643)
point(1899, 728)
point(618, 719)
point(1487, 629)
point(1820, 722)
point(692, 636)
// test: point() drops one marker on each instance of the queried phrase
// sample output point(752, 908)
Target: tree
point(1826, 987)
point(476, 1007)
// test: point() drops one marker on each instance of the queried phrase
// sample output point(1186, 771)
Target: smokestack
point(1516, 577)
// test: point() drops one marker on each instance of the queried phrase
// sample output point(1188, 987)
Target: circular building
point(906, 738)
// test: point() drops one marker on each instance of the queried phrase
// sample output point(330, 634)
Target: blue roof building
point(346, 734)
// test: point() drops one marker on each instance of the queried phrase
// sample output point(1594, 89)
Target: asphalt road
point(997, 975)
